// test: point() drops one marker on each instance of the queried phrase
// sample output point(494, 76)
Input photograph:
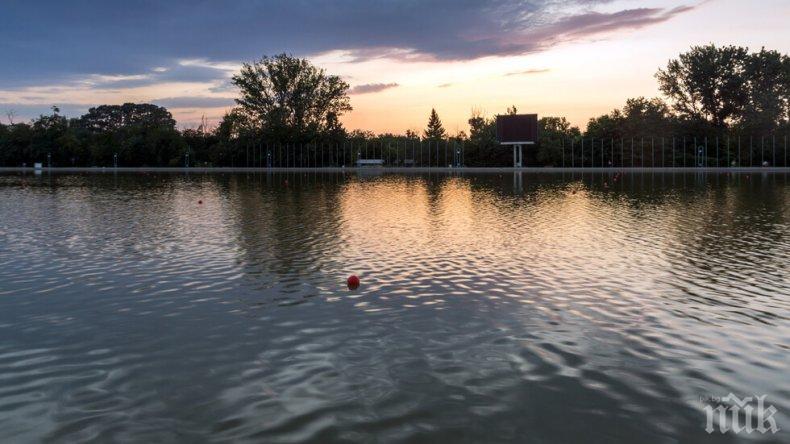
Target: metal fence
point(673, 152)
point(351, 153)
point(642, 152)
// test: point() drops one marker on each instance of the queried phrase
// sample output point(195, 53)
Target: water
point(543, 308)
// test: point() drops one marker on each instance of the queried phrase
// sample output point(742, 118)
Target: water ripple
point(549, 308)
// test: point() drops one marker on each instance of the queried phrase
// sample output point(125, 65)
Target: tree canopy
point(726, 86)
point(710, 93)
point(434, 130)
point(288, 97)
point(114, 117)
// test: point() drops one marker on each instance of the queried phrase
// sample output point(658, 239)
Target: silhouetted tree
point(727, 86)
point(707, 83)
point(482, 148)
point(290, 99)
point(434, 130)
point(768, 86)
point(49, 137)
point(140, 135)
point(114, 117)
point(640, 117)
point(555, 133)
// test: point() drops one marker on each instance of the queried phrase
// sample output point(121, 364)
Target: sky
point(576, 58)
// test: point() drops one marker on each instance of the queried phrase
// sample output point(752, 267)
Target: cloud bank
point(46, 41)
point(369, 88)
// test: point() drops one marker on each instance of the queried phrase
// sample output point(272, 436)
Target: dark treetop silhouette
point(290, 110)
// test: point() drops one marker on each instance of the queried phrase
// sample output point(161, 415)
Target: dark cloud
point(44, 42)
point(171, 73)
point(23, 112)
point(372, 88)
point(195, 102)
point(527, 72)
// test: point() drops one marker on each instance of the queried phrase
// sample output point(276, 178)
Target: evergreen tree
point(435, 130)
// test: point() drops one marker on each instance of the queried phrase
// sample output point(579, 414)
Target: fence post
point(652, 152)
point(762, 150)
point(562, 145)
point(642, 152)
point(696, 152)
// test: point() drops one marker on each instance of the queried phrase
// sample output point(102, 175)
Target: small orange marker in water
point(353, 282)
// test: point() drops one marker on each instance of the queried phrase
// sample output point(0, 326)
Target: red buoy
point(200, 202)
point(353, 282)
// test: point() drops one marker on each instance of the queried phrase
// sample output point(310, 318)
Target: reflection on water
point(492, 307)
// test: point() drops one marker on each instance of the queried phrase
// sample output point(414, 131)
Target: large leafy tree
point(50, 136)
point(15, 144)
point(140, 135)
point(645, 117)
point(707, 83)
point(435, 130)
point(768, 86)
point(555, 133)
point(114, 117)
point(640, 117)
point(289, 97)
point(483, 149)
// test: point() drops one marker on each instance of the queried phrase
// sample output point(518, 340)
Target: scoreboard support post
point(517, 130)
point(518, 156)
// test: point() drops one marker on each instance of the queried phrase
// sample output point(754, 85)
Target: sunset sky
point(576, 59)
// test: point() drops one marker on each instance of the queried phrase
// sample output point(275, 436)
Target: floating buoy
point(200, 202)
point(353, 282)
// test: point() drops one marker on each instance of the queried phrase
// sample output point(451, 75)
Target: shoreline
point(399, 170)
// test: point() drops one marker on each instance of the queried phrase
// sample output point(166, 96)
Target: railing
point(672, 152)
point(347, 154)
point(642, 152)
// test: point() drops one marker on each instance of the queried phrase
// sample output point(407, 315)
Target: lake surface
point(493, 307)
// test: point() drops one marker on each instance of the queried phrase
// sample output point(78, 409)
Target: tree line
point(709, 93)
